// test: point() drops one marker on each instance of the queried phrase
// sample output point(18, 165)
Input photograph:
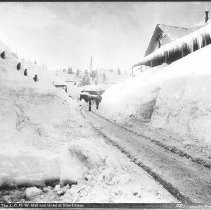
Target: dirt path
point(186, 180)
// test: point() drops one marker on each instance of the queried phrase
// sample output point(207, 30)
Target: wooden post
point(90, 67)
point(90, 104)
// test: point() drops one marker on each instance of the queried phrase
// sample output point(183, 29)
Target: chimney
point(206, 16)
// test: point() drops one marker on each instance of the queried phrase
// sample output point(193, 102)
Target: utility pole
point(90, 68)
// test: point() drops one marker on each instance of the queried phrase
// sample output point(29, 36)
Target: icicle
point(208, 39)
point(180, 47)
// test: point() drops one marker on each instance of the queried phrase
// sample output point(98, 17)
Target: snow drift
point(42, 135)
point(35, 118)
point(176, 97)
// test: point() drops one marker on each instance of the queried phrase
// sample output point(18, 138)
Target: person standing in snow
point(25, 72)
point(35, 78)
point(3, 55)
point(18, 66)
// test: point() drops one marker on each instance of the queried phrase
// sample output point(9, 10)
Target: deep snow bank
point(35, 119)
point(176, 97)
point(42, 134)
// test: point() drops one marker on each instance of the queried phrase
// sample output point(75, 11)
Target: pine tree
point(118, 71)
point(70, 71)
point(88, 80)
point(96, 80)
point(78, 73)
point(104, 77)
point(86, 72)
point(85, 80)
point(93, 74)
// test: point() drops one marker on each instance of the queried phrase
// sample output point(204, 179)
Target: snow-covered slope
point(44, 140)
point(176, 97)
point(33, 117)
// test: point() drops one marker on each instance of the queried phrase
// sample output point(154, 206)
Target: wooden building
point(170, 43)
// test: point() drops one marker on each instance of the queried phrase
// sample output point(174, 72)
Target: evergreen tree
point(88, 80)
point(93, 74)
point(85, 80)
point(104, 77)
point(70, 71)
point(86, 72)
point(78, 73)
point(96, 80)
point(118, 71)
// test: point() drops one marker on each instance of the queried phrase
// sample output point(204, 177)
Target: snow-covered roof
point(172, 32)
point(200, 36)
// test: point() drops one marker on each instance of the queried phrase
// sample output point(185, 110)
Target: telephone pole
point(90, 68)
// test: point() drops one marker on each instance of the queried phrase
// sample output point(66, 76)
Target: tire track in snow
point(162, 145)
point(167, 185)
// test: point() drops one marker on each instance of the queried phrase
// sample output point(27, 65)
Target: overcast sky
point(116, 34)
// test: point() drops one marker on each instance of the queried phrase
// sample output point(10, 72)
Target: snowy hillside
point(49, 153)
point(33, 116)
point(176, 97)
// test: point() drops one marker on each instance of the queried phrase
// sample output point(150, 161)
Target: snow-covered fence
point(179, 48)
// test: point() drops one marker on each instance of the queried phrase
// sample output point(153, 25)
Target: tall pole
point(90, 69)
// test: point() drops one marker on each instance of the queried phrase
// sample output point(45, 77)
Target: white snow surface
point(43, 136)
point(176, 97)
point(31, 114)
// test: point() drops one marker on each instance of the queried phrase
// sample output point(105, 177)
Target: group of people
point(35, 78)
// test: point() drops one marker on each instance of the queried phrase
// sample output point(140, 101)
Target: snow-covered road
point(72, 150)
point(179, 175)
